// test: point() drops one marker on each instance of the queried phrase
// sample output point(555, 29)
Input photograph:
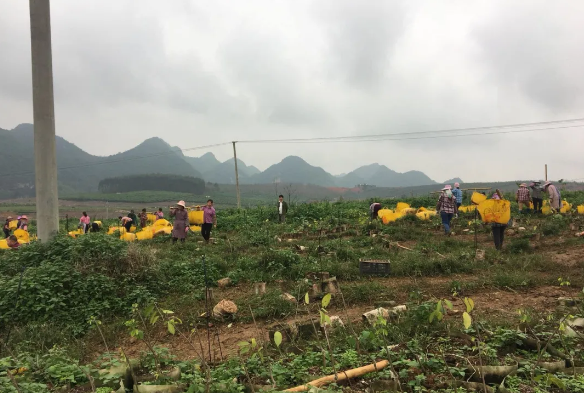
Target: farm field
point(451, 320)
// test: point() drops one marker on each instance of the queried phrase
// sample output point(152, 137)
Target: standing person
point(374, 210)
point(84, 222)
point(447, 208)
point(498, 229)
point(181, 222)
point(132, 215)
point(523, 196)
point(143, 219)
point(282, 209)
point(555, 196)
point(23, 223)
point(457, 192)
point(126, 223)
point(6, 227)
point(209, 220)
point(159, 214)
point(536, 196)
point(12, 242)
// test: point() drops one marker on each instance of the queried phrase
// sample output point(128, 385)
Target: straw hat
point(181, 203)
point(9, 218)
point(523, 185)
point(447, 187)
point(24, 218)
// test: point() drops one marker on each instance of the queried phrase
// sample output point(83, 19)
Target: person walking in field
point(6, 228)
point(457, 192)
point(523, 196)
point(126, 223)
point(447, 208)
point(159, 214)
point(282, 209)
point(374, 210)
point(498, 229)
point(143, 218)
point(181, 222)
point(84, 222)
point(209, 220)
point(555, 196)
point(536, 196)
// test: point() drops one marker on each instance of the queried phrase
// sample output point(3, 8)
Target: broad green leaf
point(467, 320)
point(327, 319)
point(167, 312)
point(154, 318)
point(439, 305)
point(439, 316)
point(306, 298)
point(277, 339)
point(243, 344)
point(431, 318)
point(448, 304)
point(171, 327)
point(326, 300)
point(471, 302)
point(253, 343)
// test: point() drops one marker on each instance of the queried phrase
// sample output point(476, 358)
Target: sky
point(196, 73)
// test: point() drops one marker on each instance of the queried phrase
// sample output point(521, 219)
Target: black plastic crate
point(374, 267)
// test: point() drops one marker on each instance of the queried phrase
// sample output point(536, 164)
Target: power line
point(391, 136)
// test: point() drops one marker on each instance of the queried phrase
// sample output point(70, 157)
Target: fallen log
point(340, 376)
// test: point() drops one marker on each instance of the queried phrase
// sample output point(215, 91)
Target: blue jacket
point(457, 192)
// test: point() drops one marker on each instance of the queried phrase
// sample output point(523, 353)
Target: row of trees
point(153, 182)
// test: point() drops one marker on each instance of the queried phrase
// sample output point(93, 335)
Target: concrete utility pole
point(236, 177)
point(546, 172)
point(45, 158)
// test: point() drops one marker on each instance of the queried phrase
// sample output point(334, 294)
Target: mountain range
point(81, 172)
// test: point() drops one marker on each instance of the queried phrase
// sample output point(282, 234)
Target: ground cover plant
point(71, 308)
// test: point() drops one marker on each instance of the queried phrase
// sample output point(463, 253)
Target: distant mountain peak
point(208, 155)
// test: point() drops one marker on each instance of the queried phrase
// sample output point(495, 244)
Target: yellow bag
point(477, 198)
point(76, 233)
point(161, 223)
point(195, 228)
point(12, 225)
point(129, 237)
point(401, 206)
point(391, 217)
point(111, 230)
point(22, 236)
point(99, 224)
point(566, 207)
point(162, 231)
point(383, 212)
point(151, 218)
point(196, 217)
point(467, 209)
point(425, 215)
point(4, 245)
point(422, 209)
point(144, 235)
point(581, 209)
point(495, 211)
point(546, 209)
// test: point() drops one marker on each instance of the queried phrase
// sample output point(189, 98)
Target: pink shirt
point(125, 220)
point(84, 220)
point(208, 214)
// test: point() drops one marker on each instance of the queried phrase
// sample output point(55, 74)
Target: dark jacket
point(284, 207)
point(134, 218)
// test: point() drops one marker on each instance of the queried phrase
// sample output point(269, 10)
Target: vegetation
point(153, 182)
point(73, 307)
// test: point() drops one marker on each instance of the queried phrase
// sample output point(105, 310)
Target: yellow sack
point(546, 209)
point(581, 209)
point(425, 215)
point(22, 236)
point(161, 223)
point(566, 207)
point(196, 217)
point(76, 233)
point(383, 212)
point(129, 237)
point(4, 245)
point(151, 218)
point(401, 206)
point(422, 209)
point(12, 225)
point(409, 210)
point(477, 198)
point(111, 230)
point(391, 217)
point(162, 231)
point(144, 235)
point(99, 224)
point(195, 228)
point(467, 209)
point(495, 211)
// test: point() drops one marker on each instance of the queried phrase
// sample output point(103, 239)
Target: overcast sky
point(196, 73)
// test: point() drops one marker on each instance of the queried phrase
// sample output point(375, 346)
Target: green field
point(89, 303)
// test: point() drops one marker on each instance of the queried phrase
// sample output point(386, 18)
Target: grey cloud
point(536, 47)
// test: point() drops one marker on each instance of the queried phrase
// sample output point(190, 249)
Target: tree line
point(153, 182)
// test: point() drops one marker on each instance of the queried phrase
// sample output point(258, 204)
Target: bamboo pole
point(341, 376)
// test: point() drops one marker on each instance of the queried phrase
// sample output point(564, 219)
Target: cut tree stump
point(260, 288)
point(224, 282)
point(330, 285)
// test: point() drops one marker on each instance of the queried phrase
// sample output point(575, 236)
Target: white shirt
point(280, 208)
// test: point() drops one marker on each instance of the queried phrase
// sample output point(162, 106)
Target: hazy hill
point(452, 181)
point(204, 163)
point(224, 173)
point(382, 176)
point(294, 169)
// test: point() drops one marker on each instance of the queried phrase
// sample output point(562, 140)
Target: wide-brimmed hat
point(181, 203)
point(523, 185)
point(19, 217)
point(24, 218)
point(547, 183)
point(447, 187)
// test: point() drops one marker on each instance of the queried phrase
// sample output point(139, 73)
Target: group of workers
point(12, 240)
